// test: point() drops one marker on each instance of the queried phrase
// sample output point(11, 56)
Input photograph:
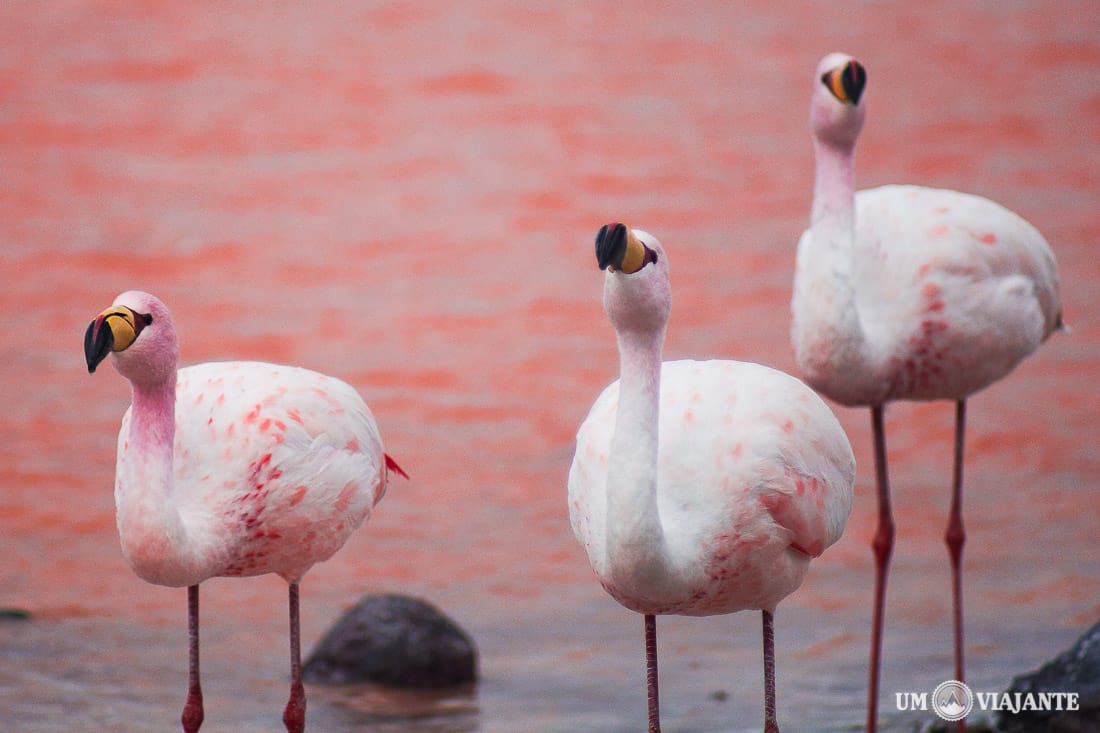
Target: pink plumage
point(232, 468)
point(699, 487)
point(751, 470)
point(909, 293)
point(906, 292)
point(951, 292)
point(273, 468)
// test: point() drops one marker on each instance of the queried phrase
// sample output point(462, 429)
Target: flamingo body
point(699, 487)
point(232, 469)
point(909, 293)
point(273, 468)
point(953, 292)
point(753, 479)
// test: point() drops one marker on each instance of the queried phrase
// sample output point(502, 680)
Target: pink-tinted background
point(404, 195)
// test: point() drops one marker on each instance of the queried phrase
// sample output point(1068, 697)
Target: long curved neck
point(635, 538)
point(829, 335)
point(834, 190)
point(153, 421)
point(149, 522)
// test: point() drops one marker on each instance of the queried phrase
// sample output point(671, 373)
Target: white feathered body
point(273, 467)
point(950, 292)
point(754, 477)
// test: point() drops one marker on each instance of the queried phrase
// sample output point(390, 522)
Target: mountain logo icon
point(952, 700)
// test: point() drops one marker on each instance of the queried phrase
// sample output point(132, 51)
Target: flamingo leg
point(294, 716)
point(883, 546)
point(651, 672)
point(956, 538)
point(770, 724)
point(192, 709)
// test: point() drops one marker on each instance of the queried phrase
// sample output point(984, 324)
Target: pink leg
point(883, 546)
point(770, 724)
point(651, 672)
point(192, 709)
point(955, 538)
point(294, 717)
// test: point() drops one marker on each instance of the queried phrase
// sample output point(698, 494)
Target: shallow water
point(406, 197)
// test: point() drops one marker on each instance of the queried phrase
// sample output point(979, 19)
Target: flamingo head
point(137, 329)
point(637, 296)
point(836, 112)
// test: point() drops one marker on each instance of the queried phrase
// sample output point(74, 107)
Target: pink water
point(405, 195)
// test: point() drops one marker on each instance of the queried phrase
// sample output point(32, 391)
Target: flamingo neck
point(833, 223)
point(153, 421)
point(828, 334)
point(834, 190)
point(152, 531)
point(636, 550)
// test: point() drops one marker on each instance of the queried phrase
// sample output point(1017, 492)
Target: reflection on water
point(405, 195)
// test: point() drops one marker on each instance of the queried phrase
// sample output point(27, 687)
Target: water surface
point(405, 196)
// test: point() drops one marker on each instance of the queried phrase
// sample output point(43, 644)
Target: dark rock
point(1076, 670)
point(14, 614)
point(393, 640)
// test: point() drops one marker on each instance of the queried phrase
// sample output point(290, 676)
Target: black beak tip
point(97, 345)
point(854, 78)
point(611, 245)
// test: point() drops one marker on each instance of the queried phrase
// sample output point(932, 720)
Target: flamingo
point(699, 487)
point(909, 293)
point(232, 469)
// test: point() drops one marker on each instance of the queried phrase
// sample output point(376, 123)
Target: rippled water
point(405, 196)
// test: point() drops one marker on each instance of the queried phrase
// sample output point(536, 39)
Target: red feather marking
point(391, 465)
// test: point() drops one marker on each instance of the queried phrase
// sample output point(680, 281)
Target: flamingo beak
point(112, 330)
point(846, 82)
point(618, 249)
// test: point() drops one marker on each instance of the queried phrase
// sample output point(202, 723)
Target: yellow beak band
point(120, 320)
point(835, 82)
point(635, 253)
point(846, 82)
